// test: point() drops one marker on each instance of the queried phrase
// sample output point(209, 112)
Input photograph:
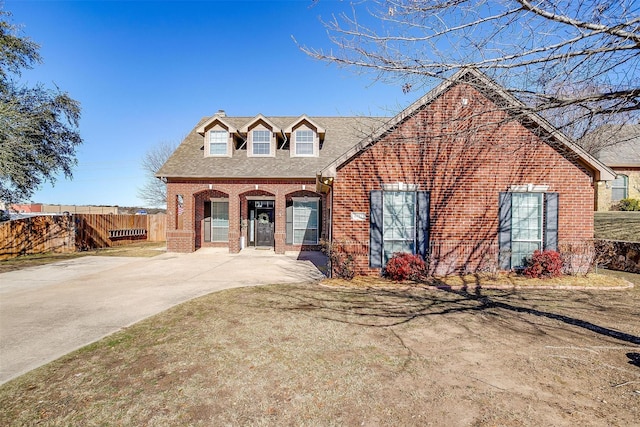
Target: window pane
point(219, 221)
point(261, 142)
point(304, 136)
point(305, 222)
point(526, 226)
point(398, 231)
point(304, 148)
point(619, 188)
point(304, 142)
point(218, 142)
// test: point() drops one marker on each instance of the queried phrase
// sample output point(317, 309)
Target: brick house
point(465, 176)
point(623, 158)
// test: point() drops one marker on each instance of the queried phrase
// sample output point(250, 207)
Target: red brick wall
point(464, 155)
point(185, 231)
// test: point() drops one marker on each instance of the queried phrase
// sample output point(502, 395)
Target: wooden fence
point(59, 233)
point(35, 235)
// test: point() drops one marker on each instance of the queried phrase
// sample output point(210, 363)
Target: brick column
point(234, 222)
point(280, 233)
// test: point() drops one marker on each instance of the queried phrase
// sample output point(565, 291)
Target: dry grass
point(376, 354)
point(491, 281)
point(143, 249)
point(624, 226)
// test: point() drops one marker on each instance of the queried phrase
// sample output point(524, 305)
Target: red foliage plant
point(405, 266)
point(544, 264)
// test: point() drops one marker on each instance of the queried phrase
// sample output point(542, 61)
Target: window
point(220, 220)
point(526, 226)
point(620, 188)
point(527, 222)
point(261, 140)
point(218, 140)
point(305, 221)
point(399, 222)
point(304, 142)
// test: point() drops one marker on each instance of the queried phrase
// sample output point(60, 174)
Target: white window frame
point(218, 132)
point(316, 201)
point(517, 257)
point(394, 232)
point(260, 143)
point(621, 183)
point(299, 141)
point(215, 227)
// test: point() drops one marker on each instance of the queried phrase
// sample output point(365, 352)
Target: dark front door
point(264, 227)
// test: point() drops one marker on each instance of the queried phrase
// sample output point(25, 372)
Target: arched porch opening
point(306, 216)
point(211, 219)
point(257, 219)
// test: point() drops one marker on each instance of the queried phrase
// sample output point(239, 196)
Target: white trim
point(400, 186)
point(261, 198)
point(529, 188)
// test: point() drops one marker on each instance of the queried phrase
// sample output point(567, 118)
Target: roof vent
point(221, 113)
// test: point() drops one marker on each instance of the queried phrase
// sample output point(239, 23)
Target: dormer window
point(304, 142)
point(306, 137)
point(261, 142)
point(218, 142)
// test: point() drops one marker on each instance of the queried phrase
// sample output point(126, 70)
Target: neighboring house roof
point(622, 145)
point(493, 91)
point(340, 133)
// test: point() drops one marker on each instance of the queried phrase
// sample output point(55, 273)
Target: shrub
point(405, 266)
point(544, 264)
point(628, 205)
point(341, 262)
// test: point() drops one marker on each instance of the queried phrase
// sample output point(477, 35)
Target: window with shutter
point(398, 222)
point(527, 222)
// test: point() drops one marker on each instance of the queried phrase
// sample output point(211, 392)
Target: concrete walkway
point(51, 310)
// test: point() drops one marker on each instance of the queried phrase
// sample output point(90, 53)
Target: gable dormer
point(304, 136)
point(218, 136)
point(261, 135)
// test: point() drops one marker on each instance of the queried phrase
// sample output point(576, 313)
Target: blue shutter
point(319, 219)
point(207, 221)
point(289, 223)
point(551, 221)
point(504, 231)
point(422, 226)
point(375, 229)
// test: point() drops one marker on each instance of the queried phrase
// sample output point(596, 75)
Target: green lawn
point(617, 226)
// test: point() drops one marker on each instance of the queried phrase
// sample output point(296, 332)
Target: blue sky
point(145, 72)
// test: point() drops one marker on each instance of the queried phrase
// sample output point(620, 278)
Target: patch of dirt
point(360, 355)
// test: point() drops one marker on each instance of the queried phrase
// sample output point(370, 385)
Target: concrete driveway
point(49, 311)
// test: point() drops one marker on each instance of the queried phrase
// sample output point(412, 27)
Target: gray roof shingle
point(189, 161)
point(623, 145)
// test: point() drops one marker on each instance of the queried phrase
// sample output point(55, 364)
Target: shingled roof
point(341, 133)
point(623, 148)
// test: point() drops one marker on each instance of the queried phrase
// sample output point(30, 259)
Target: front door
point(264, 226)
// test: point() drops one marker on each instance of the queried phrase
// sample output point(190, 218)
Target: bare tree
point(581, 56)
point(154, 191)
